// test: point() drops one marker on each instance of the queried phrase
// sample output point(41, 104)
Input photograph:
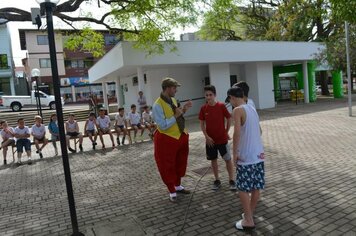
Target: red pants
point(171, 157)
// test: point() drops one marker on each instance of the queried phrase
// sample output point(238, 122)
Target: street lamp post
point(49, 6)
point(35, 73)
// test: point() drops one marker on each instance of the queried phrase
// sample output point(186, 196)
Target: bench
point(113, 131)
point(76, 140)
point(14, 149)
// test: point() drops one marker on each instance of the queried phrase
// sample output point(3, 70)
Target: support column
point(12, 86)
point(337, 84)
point(259, 77)
point(105, 96)
point(305, 82)
point(220, 77)
point(141, 80)
point(74, 97)
point(118, 92)
point(311, 81)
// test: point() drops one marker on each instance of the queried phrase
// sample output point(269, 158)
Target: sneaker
point(94, 145)
point(216, 185)
point(123, 140)
point(71, 150)
point(232, 185)
point(37, 151)
point(5, 163)
point(29, 161)
point(18, 163)
point(118, 141)
point(80, 147)
point(41, 155)
point(173, 199)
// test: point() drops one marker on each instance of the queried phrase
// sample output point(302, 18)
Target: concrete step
point(12, 117)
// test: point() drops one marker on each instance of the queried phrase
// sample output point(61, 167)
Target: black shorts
point(73, 134)
point(92, 132)
point(39, 139)
point(223, 149)
point(137, 125)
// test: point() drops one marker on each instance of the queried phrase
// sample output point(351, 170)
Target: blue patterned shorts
point(250, 177)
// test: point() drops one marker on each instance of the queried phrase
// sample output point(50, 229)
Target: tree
point(221, 22)
point(344, 10)
point(144, 21)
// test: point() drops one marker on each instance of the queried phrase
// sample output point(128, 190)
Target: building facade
point(7, 80)
point(72, 65)
point(198, 63)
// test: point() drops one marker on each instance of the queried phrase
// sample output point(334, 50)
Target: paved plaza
point(310, 183)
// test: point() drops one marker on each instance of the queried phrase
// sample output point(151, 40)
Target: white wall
point(191, 79)
point(259, 77)
point(220, 78)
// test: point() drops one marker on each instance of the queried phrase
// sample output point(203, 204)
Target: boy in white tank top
point(248, 156)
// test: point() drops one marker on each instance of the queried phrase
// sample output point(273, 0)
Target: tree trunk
point(324, 83)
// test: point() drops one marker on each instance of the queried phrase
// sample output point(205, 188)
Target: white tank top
point(251, 148)
point(71, 126)
point(91, 125)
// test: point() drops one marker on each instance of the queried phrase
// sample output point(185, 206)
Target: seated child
point(72, 130)
point(147, 120)
point(134, 119)
point(121, 125)
point(38, 132)
point(89, 128)
point(54, 131)
point(22, 134)
point(103, 122)
point(8, 135)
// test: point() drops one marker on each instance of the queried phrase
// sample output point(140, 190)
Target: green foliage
point(301, 20)
point(150, 21)
point(221, 22)
point(145, 22)
point(335, 53)
point(87, 40)
point(344, 10)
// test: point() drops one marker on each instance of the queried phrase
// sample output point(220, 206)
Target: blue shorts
point(137, 125)
point(21, 143)
point(250, 177)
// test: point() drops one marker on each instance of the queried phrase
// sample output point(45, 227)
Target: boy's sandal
point(239, 226)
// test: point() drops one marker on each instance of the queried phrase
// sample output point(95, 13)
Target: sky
point(18, 54)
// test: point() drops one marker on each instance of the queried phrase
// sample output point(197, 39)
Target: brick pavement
point(310, 189)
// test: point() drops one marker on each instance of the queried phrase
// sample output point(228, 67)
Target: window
point(42, 40)
point(233, 80)
point(3, 61)
point(67, 64)
point(76, 64)
point(45, 63)
point(88, 64)
point(110, 39)
point(135, 81)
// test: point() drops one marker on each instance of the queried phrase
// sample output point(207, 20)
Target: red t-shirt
point(214, 117)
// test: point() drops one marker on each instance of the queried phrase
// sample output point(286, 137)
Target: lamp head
point(35, 72)
point(55, 2)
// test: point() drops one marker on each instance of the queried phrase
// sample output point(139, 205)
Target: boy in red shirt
point(215, 122)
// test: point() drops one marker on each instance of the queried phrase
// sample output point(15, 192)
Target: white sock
point(179, 188)
point(173, 195)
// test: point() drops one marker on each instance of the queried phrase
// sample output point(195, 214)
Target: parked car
point(16, 103)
